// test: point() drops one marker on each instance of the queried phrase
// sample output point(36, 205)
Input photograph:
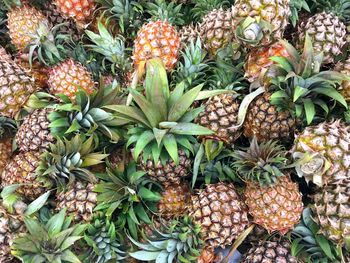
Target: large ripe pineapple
point(157, 39)
point(275, 251)
point(15, 88)
point(322, 152)
point(7, 127)
point(23, 22)
point(163, 137)
point(22, 170)
point(221, 214)
point(68, 77)
point(34, 132)
point(274, 12)
point(175, 199)
point(328, 33)
point(273, 199)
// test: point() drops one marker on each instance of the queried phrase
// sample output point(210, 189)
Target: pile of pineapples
point(174, 131)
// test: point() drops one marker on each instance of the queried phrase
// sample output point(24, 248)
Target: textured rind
point(216, 29)
point(221, 115)
point(277, 207)
point(68, 76)
point(168, 173)
point(22, 22)
point(344, 67)
point(332, 209)
point(174, 202)
point(34, 133)
point(264, 121)
point(327, 32)
point(79, 10)
point(21, 170)
point(80, 201)
point(275, 12)
point(157, 39)
point(15, 88)
point(330, 140)
point(189, 33)
point(5, 152)
point(270, 252)
point(221, 214)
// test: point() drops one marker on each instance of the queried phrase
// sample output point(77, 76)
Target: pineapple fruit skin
point(80, 201)
point(264, 121)
point(67, 76)
point(21, 170)
point(22, 22)
point(157, 39)
point(5, 152)
point(34, 133)
point(277, 207)
point(15, 88)
point(328, 34)
point(221, 214)
point(344, 67)
point(221, 115)
point(81, 11)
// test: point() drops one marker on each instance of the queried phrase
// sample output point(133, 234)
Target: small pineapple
point(175, 199)
point(68, 77)
point(34, 133)
point(273, 199)
point(221, 214)
point(157, 39)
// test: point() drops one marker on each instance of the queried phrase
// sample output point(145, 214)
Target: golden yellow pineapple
point(80, 10)
point(157, 39)
point(273, 200)
point(221, 214)
point(22, 170)
point(207, 255)
point(22, 23)
point(175, 199)
point(68, 77)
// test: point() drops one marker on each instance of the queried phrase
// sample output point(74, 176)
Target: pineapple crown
point(260, 162)
point(301, 87)
point(67, 160)
point(203, 7)
point(103, 241)
point(340, 8)
point(111, 48)
point(296, 6)
point(87, 114)
point(193, 67)
point(130, 193)
point(49, 242)
point(311, 246)
point(6, 125)
point(161, 10)
point(48, 44)
point(163, 119)
point(179, 242)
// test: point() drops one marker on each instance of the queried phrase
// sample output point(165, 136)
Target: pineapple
point(34, 132)
point(174, 202)
point(7, 127)
point(69, 76)
point(4, 55)
point(277, 251)
point(344, 67)
point(258, 60)
point(321, 153)
point(273, 200)
point(221, 116)
point(326, 28)
point(15, 88)
point(80, 11)
point(21, 169)
point(48, 244)
point(23, 22)
point(221, 214)
point(216, 30)
point(184, 237)
point(207, 255)
point(163, 136)
point(157, 39)
point(189, 33)
point(274, 12)
point(331, 211)
point(80, 201)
